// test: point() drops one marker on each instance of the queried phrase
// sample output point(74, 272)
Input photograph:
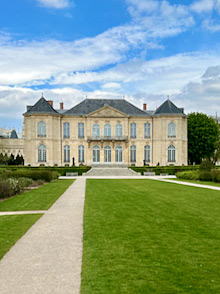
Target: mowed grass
point(13, 228)
point(143, 236)
point(37, 199)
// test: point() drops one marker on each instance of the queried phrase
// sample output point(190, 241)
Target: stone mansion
point(104, 131)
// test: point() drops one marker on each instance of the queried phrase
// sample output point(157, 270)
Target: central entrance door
point(107, 154)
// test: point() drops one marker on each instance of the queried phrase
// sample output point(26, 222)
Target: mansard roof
point(90, 105)
point(41, 107)
point(168, 108)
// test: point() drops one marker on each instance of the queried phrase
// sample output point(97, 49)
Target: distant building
point(11, 142)
point(104, 131)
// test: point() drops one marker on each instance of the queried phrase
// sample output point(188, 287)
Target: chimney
point(144, 107)
point(61, 105)
point(50, 102)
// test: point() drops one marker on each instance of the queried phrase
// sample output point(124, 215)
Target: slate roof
point(42, 106)
point(14, 135)
point(168, 108)
point(90, 105)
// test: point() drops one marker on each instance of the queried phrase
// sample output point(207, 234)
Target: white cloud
point(55, 3)
point(203, 6)
point(211, 25)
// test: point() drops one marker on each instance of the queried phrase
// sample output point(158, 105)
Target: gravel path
point(47, 259)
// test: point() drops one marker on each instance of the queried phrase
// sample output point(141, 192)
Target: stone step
point(99, 171)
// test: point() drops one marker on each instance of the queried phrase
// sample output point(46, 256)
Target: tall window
point(96, 154)
point(133, 130)
point(96, 131)
point(66, 153)
point(66, 130)
point(147, 153)
point(81, 153)
point(118, 130)
point(42, 153)
point(80, 130)
point(107, 154)
point(171, 153)
point(171, 130)
point(41, 129)
point(133, 153)
point(107, 130)
point(147, 130)
point(118, 154)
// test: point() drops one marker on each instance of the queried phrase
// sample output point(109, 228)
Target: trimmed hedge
point(213, 175)
point(45, 175)
point(170, 170)
point(60, 170)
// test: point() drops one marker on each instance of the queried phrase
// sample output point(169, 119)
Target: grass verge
point(38, 199)
point(13, 228)
point(143, 236)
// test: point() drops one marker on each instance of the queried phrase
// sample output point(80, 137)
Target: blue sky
point(143, 50)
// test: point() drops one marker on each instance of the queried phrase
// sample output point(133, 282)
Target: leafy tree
point(203, 137)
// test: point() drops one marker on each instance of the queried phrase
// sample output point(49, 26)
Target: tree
point(203, 137)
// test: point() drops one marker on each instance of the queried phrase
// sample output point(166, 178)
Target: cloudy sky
point(142, 50)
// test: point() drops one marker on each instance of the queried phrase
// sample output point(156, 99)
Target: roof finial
point(168, 97)
point(42, 95)
point(86, 96)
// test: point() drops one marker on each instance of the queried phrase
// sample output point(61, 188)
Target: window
point(96, 131)
point(147, 153)
point(42, 153)
point(107, 154)
point(133, 130)
point(96, 154)
point(147, 130)
point(66, 153)
point(133, 153)
point(41, 130)
point(118, 131)
point(171, 130)
point(107, 130)
point(66, 130)
point(118, 154)
point(80, 130)
point(81, 153)
point(171, 153)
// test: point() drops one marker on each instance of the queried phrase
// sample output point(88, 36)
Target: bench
point(163, 174)
point(71, 174)
point(149, 174)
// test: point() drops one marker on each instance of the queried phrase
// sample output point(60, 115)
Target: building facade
point(104, 131)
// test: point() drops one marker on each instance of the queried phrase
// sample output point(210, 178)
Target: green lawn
point(38, 199)
point(12, 228)
point(143, 236)
point(209, 183)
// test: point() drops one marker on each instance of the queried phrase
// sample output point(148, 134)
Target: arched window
point(41, 129)
point(118, 131)
point(133, 153)
point(96, 154)
point(147, 153)
point(81, 153)
point(171, 130)
point(66, 153)
point(107, 154)
point(118, 154)
point(96, 131)
point(42, 153)
point(171, 153)
point(107, 130)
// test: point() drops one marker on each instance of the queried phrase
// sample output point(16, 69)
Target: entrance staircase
point(110, 170)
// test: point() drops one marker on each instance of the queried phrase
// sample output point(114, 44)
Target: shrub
point(188, 175)
point(205, 175)
point(206, 165)
point(45, 175)
point(12, 186)
point(216, 176)
point(5, 189)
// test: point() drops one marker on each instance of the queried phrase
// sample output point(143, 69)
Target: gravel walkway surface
point(47, 259)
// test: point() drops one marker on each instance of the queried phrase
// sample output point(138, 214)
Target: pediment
point(107, 111)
